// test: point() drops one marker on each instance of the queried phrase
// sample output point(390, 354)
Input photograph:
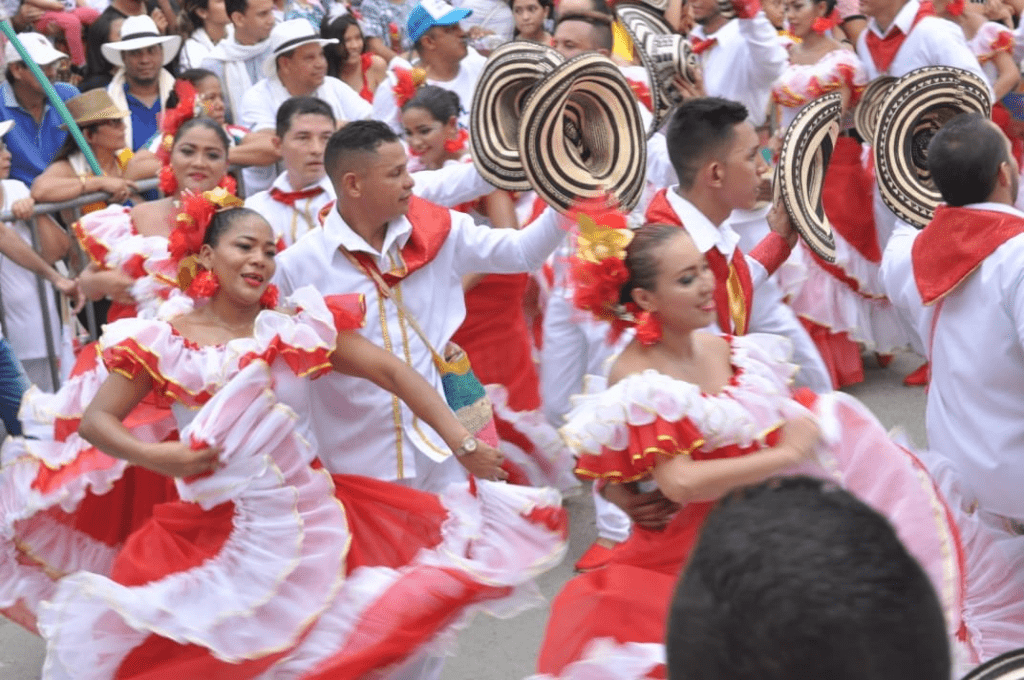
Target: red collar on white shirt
point(954, 244)
point(431, 225)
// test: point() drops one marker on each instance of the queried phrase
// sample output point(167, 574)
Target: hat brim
point(581, 135)
point(800, 172)
point(511, 72)
point(112, 51)
point(641, 23)
point(270, 63)
point(865, 116)
point(110, 113)
point(919, 104)
point(1008, 666)
point(456, 15)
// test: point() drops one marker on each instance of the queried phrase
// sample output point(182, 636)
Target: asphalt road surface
point(491, 649)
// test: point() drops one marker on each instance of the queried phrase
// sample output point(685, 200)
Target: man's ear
point(712, 173)
point(351, 184)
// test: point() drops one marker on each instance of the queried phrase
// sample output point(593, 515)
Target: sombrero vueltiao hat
point(919, 104)
point(1009, 666)
point(512, 70)
point(664, 55)
point(800, 173)
point(865, 116)
point(581, 135)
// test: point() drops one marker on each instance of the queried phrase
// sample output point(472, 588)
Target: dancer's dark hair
point(355, 138)
point(964, 158)
point(701, 129)
point(796, 579)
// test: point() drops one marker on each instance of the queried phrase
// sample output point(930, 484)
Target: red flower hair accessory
point(188, 108)
point(598, 268)
point(458, 144)
point(196, 212)
point(407, 82)
point(823, 25)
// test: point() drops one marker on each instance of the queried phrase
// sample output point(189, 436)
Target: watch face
point(469, 446)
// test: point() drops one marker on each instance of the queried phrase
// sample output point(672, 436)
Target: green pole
point(51, 94)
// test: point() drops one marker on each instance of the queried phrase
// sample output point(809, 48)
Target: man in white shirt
point(963, 288)
point(295, 67)
point(238, 59)
point(740, 57)
point(434, 29)
point(422, 251)
point(901, 36)
point(292, 205)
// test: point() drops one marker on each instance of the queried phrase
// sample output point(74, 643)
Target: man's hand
point(779, 222)
point(484, 463)
point(160, 19)
point(650, 510)
point(72, 291)
point(26, 17)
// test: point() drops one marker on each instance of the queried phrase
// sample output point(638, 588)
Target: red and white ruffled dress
point(270, 567)
point(72, 506)
point(840, 304)
point(613, 619)
point(991, 39)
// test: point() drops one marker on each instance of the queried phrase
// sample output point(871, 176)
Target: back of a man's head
point(350, 145)
point(964, 158)
point(699, 130)
point(795, 579)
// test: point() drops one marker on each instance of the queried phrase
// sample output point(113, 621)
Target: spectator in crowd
point(531, 17)
point(22, 310)
point(36, 137)
point(99, 70)
point(296, 67)
point(444, 55)
point(384, 25)
point(348, 60)
point(246, 148)
point(142, 84)
point(103, 125)
point(293, 203)
point(237, 60)
point(576, 34)
point(202, 24)
point(70, 16)
point(825, 587)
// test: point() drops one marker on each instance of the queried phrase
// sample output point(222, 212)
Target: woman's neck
point(236, 319)
point(107, 158)
point(679, 347)
point(216, 32)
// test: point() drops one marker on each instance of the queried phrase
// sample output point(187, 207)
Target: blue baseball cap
point(430, 13)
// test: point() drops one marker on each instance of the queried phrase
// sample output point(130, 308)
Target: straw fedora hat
point(138, 32)
point(663, 53)
point(800, 173)
point(581, 135)
point(919, 104)
point(1009, 666)
point(511, 72)
point(91, 107)
point(290, 35)
point(865, 116)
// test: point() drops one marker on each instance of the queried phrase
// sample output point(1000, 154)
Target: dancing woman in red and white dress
point(841, 304)
point(696, 415)
point(267, 564)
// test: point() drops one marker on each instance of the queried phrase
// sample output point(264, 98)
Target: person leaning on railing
point(69, 176)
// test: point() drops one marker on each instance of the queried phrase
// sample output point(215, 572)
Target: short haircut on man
point(299, 106)
point(796, 579)
point(354, 140)
point(964, 158)
point(700, 130)
point(232, 6)
point(595, 6)
point(600, 28)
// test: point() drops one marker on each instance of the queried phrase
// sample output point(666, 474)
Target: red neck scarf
point(431, 225)
point(954, 244)
point(883, 50)
point(734, 289)
point(700, 46)
point(289, 198)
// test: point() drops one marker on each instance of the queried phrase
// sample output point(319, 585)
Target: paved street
point(505, 650)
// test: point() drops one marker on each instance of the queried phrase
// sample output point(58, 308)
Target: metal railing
point(91, 321)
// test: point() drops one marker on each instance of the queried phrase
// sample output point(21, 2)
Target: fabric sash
point(954, 244)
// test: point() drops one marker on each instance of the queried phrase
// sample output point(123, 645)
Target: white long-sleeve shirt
point(361, 428)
